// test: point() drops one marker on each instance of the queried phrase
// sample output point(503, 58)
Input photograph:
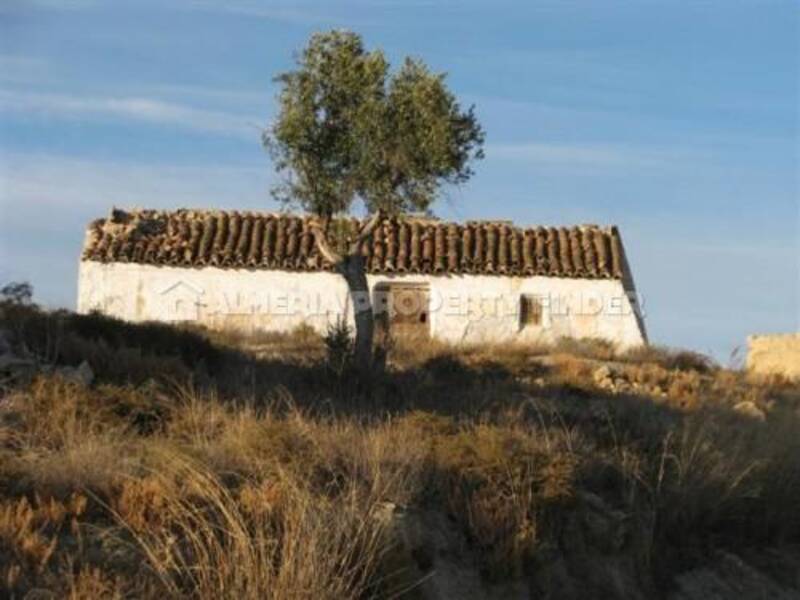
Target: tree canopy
point(348, 128)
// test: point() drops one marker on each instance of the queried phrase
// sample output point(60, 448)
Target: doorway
point(403, 309)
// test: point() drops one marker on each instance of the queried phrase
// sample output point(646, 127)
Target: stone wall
point(463, 308)
point(774, 355)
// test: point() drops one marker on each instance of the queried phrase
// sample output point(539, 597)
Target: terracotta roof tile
point(196, 238)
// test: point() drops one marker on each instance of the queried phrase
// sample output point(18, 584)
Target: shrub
point(339, 347)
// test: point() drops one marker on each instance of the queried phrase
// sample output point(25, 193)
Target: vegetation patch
point(222, 470)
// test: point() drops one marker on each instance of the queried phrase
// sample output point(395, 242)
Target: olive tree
point(349, 130)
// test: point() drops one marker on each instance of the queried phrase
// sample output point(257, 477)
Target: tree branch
point(366, 231)
point(322, 244)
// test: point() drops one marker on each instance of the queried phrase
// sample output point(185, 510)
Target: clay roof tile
point(403, 244)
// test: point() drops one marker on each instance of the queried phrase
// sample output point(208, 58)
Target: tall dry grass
point(266, 539)
point(210, 484)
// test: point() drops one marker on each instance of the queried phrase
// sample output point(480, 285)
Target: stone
point(601, 374)
point(82, 374)
point(603, 377)
point(622, 385)
point(428, 558)
point(749, 409)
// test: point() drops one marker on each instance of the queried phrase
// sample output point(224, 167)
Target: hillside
point(141, 461)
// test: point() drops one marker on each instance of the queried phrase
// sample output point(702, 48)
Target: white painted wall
point(469, 308)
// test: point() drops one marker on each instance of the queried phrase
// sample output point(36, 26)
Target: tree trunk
point(353, 268)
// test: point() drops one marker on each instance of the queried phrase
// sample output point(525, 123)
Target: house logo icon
point(181, 301)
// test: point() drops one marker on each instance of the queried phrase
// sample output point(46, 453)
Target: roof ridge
point(409, 218)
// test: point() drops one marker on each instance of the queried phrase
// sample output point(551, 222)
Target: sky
point(677, 121)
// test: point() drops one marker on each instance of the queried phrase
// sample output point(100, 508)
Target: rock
point(545, 361)
point(606, 378)
point(85, 373)
point(82, 374)
point(428, 558)
point(602, 374)
point(622, 385)
point(749, 409)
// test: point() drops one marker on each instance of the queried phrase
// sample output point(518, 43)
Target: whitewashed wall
point(469, 308)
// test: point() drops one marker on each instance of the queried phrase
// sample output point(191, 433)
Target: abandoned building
point(473, 282)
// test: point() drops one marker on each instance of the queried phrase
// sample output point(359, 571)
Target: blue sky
point(678, 121)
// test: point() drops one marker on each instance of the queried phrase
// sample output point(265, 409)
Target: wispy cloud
point(589, 156)
point(131, 108)
point(59, 185)
point(47, 200)
point(248, 97)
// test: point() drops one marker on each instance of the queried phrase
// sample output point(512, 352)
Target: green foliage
point(349, 129)
point(16, 293)
point(117, 350)
point(339, 346)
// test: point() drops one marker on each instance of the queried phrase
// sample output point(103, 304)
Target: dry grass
point(270, 538)
point(211, 483)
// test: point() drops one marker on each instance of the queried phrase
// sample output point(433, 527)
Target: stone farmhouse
point(475, 282)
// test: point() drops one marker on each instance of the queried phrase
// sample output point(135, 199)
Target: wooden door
point(403, 309)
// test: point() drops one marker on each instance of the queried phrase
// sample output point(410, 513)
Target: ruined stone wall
point(774, 355)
